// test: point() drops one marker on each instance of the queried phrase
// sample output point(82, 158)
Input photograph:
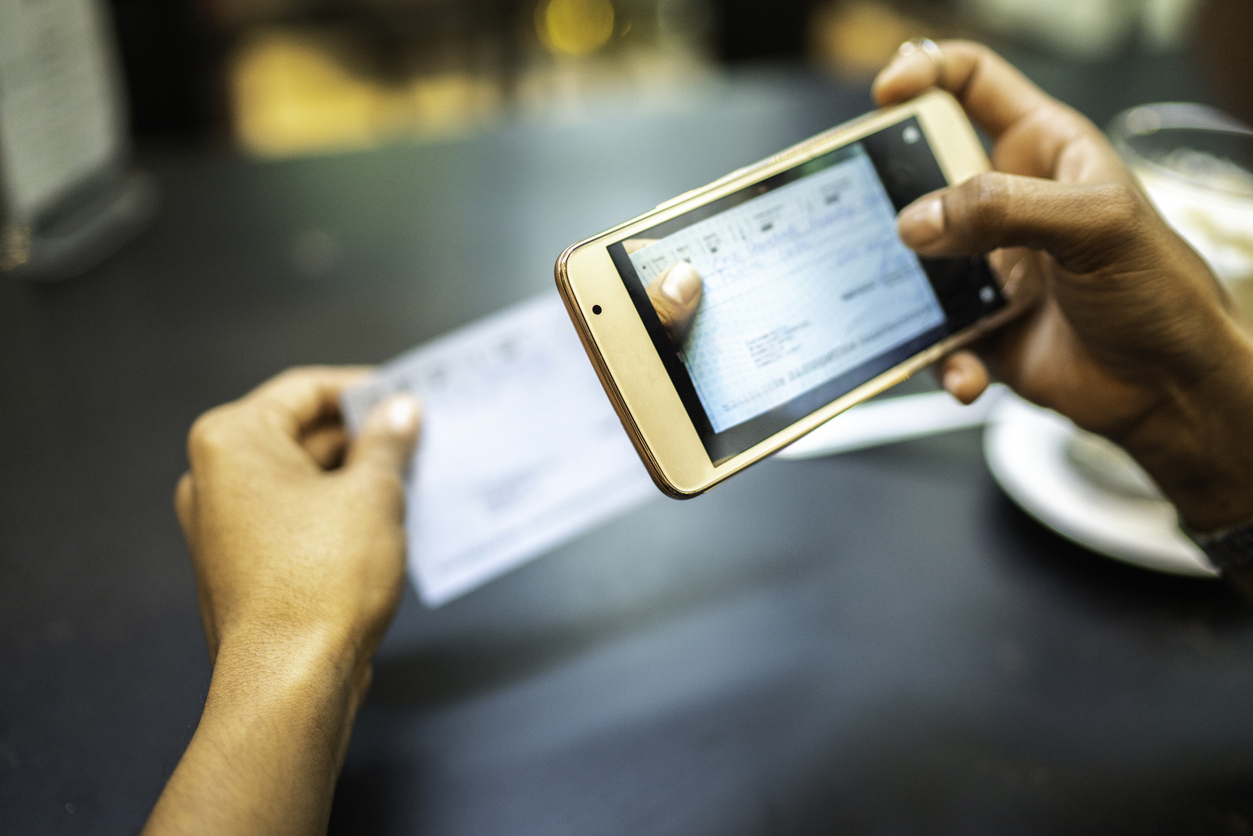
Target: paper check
point(520, 449)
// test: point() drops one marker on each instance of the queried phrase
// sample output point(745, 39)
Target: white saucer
point(1026, 450)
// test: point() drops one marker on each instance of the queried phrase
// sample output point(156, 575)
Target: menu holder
point(68, 194)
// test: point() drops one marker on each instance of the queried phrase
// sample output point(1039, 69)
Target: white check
point(520, 449)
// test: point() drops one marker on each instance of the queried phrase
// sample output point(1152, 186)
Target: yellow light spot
point(294, 94)
point(575, 27)
point(858, 37)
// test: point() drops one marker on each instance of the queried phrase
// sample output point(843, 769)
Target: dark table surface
point(872, 643)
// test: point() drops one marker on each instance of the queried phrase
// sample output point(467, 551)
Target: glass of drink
point(1196, 164)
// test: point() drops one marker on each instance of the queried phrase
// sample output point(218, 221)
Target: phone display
point(808, 291)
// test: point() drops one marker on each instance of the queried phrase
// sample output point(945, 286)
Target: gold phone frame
point(626, 360)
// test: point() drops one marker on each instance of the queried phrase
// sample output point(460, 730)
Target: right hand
point(1126, 331)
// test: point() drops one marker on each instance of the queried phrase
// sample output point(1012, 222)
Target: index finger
point(990, 89)
point(303, 397)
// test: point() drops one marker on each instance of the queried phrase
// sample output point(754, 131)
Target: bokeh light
point(574, 27)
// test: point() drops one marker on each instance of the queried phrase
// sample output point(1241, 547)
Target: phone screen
point(808, 291)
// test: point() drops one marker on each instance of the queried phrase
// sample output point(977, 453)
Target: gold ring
point(932, 50)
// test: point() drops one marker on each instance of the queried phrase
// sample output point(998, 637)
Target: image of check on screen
point(784, 305)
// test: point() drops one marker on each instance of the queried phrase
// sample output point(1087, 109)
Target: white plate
point(890, 420)
point(1026, 450)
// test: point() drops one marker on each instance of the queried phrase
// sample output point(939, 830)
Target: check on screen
point(801, 284)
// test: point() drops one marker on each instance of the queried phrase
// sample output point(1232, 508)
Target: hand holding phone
point(1126, 331)
point(730, 321)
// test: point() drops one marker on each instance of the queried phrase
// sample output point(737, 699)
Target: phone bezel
point(626, 360)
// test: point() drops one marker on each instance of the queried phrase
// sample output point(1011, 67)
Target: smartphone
point(810, 302)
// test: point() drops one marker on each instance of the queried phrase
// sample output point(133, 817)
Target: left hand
point(291, 548)
point(297, 542)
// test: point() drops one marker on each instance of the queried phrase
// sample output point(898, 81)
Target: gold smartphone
point(809, 303)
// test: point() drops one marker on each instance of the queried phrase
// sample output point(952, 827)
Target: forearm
point(269, 746)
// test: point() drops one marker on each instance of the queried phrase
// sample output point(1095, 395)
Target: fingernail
point(922, 222)
point(681, 283)
point(402, 414)
point(904, 54)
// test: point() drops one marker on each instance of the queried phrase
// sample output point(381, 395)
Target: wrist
point(268, 750)
point(1196, 443)
point(278, 645)
point(276, 658)
point(310, 686)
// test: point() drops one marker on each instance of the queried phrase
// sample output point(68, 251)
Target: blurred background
point(298, 77)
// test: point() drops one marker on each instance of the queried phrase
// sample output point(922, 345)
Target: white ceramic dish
point(889, 420)
point(1030, 452)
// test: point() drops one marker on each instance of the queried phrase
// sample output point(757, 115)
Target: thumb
point(386, 441)
point(1085, 226)
point(676, 295)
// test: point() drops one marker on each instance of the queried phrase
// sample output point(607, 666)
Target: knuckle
point(305, 376)
point(1118, 213)
point(210, 435)
point(294, 378)
point(267, 412)
point(297, 373)
point(986, 202)
point(1121, 206)
point(973, 48)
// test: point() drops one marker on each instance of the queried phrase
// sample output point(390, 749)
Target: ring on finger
point(933, 52)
